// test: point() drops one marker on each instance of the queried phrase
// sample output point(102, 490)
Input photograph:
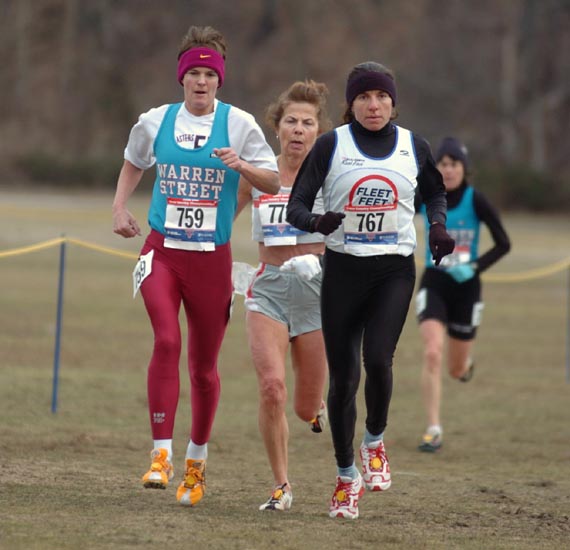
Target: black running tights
point(364, 304)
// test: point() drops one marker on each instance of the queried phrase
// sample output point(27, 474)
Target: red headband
point(201, 57)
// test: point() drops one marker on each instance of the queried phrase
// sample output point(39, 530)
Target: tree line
point(493, 73)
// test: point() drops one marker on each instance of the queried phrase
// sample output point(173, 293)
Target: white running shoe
point(431, 442)
point(280, 499)
point(468, 374)
point(344, 503)
point(375, 467)
point(320, 422)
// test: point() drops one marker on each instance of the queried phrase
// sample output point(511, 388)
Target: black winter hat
point(453, 148)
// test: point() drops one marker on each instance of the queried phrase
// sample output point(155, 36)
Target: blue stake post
point(568, 330)
point(59, 316)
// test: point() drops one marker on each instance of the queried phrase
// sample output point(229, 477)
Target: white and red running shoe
point(375, 467)
point(344, 503)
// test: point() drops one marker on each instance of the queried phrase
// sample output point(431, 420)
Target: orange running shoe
point(192, 489)
point(161, 470)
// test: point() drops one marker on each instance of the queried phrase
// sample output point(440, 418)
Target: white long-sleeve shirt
point(245, 135)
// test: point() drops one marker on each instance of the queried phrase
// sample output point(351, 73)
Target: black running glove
point(327, 223)
point(440, 243)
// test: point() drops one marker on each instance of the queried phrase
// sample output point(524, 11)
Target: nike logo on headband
point(203, 56)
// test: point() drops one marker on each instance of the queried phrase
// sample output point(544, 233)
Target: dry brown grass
point(71, 480)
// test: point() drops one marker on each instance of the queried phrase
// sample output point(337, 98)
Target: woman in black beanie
point(368, 170)
point(449, 298)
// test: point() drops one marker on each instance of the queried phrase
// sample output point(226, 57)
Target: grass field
point(72, 479)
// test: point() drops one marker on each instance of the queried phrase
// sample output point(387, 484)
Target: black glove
point(440, 243)
point(327, 223)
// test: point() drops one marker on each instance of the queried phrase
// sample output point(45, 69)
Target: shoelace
point(159, 465)
point(193, 477)
point(342, 492)
point(376, 458)
point(277, 494)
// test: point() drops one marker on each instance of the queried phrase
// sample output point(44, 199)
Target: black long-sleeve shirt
point(376, 144)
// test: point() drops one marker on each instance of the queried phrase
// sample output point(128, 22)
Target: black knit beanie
point(453, 148)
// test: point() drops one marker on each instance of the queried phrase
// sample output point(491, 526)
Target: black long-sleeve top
point(376, 144)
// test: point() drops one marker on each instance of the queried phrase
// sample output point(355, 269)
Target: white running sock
point(198, 452)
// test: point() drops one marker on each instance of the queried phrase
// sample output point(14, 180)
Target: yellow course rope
point(529, 275)
point(523, 276)
point(32, 248)
point(55, 242)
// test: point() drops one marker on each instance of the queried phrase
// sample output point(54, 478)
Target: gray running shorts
point(286, 298)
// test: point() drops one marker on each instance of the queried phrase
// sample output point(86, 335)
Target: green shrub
point(518, 187)
point(59, 172)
